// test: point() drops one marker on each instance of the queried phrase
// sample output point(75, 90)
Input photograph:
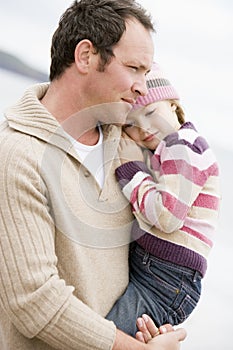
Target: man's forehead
point(135, 32)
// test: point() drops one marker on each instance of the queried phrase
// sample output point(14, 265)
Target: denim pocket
point(174, 289)
point(186, 304)
point(166, 282)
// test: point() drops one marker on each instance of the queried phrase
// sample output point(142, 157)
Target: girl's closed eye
point(151, 112)
point(129, 125)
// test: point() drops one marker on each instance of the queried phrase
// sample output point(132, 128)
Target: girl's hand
point(129, 151)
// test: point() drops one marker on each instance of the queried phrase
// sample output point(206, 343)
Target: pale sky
point(193, 44)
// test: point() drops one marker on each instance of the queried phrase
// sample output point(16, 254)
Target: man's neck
point(89, 138)
point(77, 121)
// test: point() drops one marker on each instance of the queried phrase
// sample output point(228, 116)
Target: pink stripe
point(207, 201)
point(177, 208)
point(197, 235)
point(142, 205)
point(191, 173)
point(134, 195)
point(155, 162)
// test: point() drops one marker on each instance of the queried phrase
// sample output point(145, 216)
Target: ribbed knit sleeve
point(37, 301)
point(126, 172)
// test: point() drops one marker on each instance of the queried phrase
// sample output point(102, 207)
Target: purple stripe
point(170, 251)
point(199, 146)
point(126, 172)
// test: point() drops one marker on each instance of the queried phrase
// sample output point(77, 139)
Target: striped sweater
point(175, 199)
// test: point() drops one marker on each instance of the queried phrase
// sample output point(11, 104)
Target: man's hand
point(170, 340)
point(164, 337)
point(167, 341)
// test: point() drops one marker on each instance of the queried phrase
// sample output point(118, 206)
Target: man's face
point(124, 78)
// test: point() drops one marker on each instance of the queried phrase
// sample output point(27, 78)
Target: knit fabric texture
point(159, 88)
point(178, 203)
point(53, 215)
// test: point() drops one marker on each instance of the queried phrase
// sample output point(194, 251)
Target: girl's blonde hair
point(179, 111)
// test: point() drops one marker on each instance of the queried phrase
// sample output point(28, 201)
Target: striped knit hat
point(159, 88)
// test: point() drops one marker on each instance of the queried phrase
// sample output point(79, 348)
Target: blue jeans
point(168, 293)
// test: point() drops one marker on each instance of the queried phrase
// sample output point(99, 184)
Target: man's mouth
point(129, 100)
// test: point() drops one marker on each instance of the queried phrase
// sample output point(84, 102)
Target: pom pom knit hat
point(159, 88)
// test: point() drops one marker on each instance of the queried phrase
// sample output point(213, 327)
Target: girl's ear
point(173, 106)
point(82, 55)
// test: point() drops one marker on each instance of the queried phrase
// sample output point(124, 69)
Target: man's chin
point(115, 113)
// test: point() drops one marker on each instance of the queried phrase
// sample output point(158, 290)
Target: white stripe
point(179, 152)
point(136, 180)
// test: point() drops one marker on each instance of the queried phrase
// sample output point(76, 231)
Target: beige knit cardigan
point(63, 240)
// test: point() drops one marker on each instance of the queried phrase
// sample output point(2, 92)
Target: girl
point(175, 200)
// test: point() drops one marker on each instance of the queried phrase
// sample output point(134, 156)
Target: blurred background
point(194, 46)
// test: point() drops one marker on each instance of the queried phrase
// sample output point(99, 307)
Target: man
point(64, 223)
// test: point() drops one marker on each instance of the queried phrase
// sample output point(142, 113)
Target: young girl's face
point(150, 124)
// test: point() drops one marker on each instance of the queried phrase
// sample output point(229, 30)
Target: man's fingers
point(143, 329)
point(165, 328)
point(181, 334)
point(147, 330)
point(150, 325)
point(139, 336)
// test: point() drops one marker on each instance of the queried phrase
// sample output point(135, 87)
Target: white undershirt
point(92, 157)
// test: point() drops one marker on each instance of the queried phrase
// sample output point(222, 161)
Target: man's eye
point(134, 68)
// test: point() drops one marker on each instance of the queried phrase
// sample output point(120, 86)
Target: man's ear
point(82, 55)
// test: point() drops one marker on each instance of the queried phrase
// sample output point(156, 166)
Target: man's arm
point(35, 299)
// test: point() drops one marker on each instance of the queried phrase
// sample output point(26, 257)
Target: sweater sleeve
point(181, 169)
point(36, 300)
point(126, 172)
